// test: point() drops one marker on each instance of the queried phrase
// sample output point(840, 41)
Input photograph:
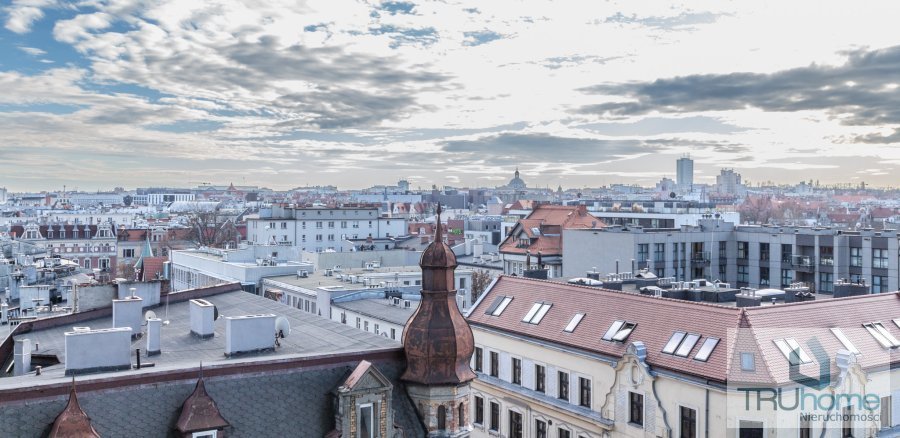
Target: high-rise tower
point(684, 173)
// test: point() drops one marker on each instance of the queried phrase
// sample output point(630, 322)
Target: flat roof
point(319, 279)
point(311, 336)
point(382, 309)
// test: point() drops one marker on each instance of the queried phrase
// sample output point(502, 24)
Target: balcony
point(700, 259)
point(826, 260)
point(803, 262)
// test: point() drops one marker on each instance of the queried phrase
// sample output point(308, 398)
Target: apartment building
point(91, 246)
point(541, 233)
point(566, 361)
point(742, 255)
point(319, 229)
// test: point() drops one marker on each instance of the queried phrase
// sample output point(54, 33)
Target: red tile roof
point(740, 330)
point(547, 219)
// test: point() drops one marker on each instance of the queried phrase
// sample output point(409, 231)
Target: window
point(540, 429)
point(723, 249)
point(318, 237)
point(743, 250)
point(284, 225)
point(688, 423)
point(495, 364)
point(844, 340)
point(743, 274)
point(128, 253)
point(495, 416)
point(687, 345)
point(673, 343)
point(331, 237)
point(442, 417)
point(880, 258)
point(763, 276)
point(498, 306)
point(479, 410)
point(330, 224)
point(659, 252)
point(515, 424)
point(636, 408)
point(377, 331)
point(750, 429)
point(884, 337)
point(748, 362)
point(462, 283)
point(619, 331)
point(517, 371)
point(879, 284)
point(393, 333)
point(366, 427)
point(706, 349)
point(847, 428)
point(563, 385)
point(563, 433)
point(366, 325)
point(584, 392)
point(826, 282)
point(886, 409)
point(319, 224)
point(537, 312)
point(343, 224)
point(461, 415)
point(540, 377)
point(792, 351)
point(787, 277)
point(574, 322)
point(855, 257)
point(764, 251)
point(479, 357)
point(358, 322)
point(643, 252)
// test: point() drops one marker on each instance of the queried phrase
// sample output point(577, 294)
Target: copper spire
point(437, 339)
point(72, 421)
point(199, 411)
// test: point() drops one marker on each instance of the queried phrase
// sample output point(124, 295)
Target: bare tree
point(212, 229)
point(480, 281)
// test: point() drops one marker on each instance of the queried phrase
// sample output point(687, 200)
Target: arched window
point(461, 415)
point(442, 417)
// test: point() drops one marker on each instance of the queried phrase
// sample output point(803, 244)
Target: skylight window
point(884, 337)
point(706, 349)
point(846, 342)
point(687, 345)
point(537, 312)
point(619, 331)
point(792, 351)
point(574, 322)
point(673, 343)
point(498, 306)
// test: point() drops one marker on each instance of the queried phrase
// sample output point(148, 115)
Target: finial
point(438, 235)
point(201, 370)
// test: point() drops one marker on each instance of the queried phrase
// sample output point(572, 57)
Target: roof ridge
point(623, 293)
point(826, 302)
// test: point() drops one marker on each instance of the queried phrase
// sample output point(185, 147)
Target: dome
point(516, 182)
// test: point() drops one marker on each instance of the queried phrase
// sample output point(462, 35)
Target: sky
point(102, 93)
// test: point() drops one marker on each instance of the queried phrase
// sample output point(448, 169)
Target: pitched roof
point(72, 421)
point(656, 318)
point(549, 221)
point(200, 412)
point(740, 330)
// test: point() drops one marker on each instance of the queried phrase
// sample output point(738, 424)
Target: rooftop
point(381, 309)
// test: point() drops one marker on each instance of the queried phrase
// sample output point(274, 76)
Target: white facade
point(321, 229)
point(208, 267)
point(166, 198)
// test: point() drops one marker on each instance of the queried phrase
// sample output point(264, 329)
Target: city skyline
point(355, 94)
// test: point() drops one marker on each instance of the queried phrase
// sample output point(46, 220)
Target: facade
point(728, 182)
point(92, 246)
point(541, 233)
point(744, 255)
point(565, 361)
point(196, 268)
point(319, 229)
point(684, 174)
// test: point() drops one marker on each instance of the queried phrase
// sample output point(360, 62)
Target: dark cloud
point(513, 147)
point(858, 91)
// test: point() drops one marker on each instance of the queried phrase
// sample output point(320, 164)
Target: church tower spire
point(439, 345)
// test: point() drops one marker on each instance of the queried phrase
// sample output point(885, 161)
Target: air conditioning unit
point(302, 274)
point(329, 273)
point(397, 301)
point(407, 304)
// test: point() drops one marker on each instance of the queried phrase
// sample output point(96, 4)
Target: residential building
point(203, 267)
point(728, 182)
point(561, 360)
point(90, 245)
point(744, 255)
point(540, 234)
point(319, 229)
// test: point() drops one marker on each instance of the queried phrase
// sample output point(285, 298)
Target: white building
point(318, 229)
point(196, 268)
point(684, 169)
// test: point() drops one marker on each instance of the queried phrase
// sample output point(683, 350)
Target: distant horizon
point(341, 92)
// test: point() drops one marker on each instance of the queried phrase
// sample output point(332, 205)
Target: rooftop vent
point(249, 333)
point(98, 350)
point(127, 313)
point(203, 318)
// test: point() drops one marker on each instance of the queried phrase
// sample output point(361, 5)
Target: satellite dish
point(149, 315)
point(672, 195)
point(282, 327)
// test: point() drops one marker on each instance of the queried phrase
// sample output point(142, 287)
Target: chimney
point(249, 333)
point(203, 318)
point(4, 310)
point(22, 357)
point(98, 350)
point(127, 313)
point(154, 325)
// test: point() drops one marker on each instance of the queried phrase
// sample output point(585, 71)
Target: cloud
point(861, 92)
point(33, 51)
point(477, 38)
point(682, 21)
point(21, 14)
point(397, 7)
point(539, 147)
